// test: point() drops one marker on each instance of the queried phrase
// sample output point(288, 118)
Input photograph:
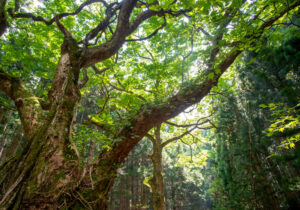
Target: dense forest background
point(236, 146)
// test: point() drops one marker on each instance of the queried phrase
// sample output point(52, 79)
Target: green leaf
point(292, 145)
point(211, 75)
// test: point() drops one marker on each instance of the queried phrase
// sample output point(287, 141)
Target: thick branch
point(108, 49)
point(103, 24)
point(124, 29)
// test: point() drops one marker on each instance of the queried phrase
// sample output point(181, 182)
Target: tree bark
point(46, 169)
point(4, 142)
point(14, 145)
point(157, 181)
point(2, 114)
point(142, 188)
point(270, 198)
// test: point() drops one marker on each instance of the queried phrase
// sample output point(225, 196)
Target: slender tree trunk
point(15, 144)
point(126, 189)
point(2, 114)
point(251, 168)
point(9, 145)
point(3, 140)
point(172, 194)
point(157, 181)
point(271, 201)
point(143, 190)
point(132, 177)
point(292, 197)
point(121, 193)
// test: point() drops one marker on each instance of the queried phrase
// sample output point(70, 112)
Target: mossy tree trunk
point(46, 173)
point(45, 169)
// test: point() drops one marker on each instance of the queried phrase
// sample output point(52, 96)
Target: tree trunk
point(2, 114)
point(270, 198)
point(4, 142)
point(8, 144)
point(292, 197)
point(157, 181)
point(46, 173)
point(143, 190)
point(14, 145)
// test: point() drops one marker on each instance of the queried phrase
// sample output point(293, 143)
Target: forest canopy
point(83, 82)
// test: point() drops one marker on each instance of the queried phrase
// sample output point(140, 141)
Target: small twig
point(104, 105)
point(91, 122)
point(151, 35)
point(91, 178)
point(85, 79)
point(122, 89)
point(150, 137)
point(62, 28)
point(193, 124)
point(190, 146)
point(98, 71)
point(148, 51)
point(199, 28)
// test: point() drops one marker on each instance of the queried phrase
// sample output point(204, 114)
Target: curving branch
point(199, 28)
point(151, 35)
point(150, 137)
point(58, 16)
point(165, 143)
point(124, 28)
point(104, 24)
point(63, 29)
point(122, 89)
point(98, 125)
point(98, 71)
point(189, 125)
point(96, 54)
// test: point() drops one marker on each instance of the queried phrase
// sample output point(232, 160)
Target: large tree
point(47, 172)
